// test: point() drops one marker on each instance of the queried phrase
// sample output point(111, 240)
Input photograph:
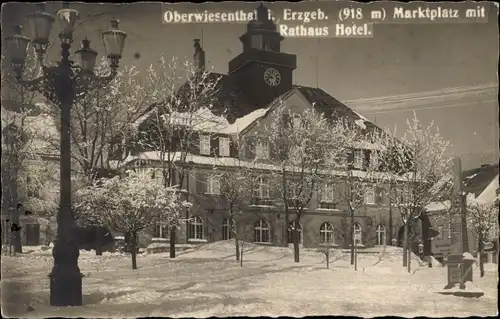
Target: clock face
point(272, 77)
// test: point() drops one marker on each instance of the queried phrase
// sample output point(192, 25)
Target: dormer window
point(224, 146)
point(205, 144)
point(262, 149)
point(358, 159)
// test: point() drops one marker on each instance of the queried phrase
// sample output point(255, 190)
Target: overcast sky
point(398, 59)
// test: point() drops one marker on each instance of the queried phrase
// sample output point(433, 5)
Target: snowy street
point(207, 281)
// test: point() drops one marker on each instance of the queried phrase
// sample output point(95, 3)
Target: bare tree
point(421, 166)
point(182, 100)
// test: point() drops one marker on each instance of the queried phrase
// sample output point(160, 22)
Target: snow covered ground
point(207, 281)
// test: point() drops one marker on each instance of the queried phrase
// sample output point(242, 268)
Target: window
point(224, 146)
point(161, 230)
point(441, 233)
point(158, 175)
point(196, 228)
point(227, 232)
point(257, 41)
point(205, 144)
point(326, 233)
point(291, 226)
point(358, 239)
point(213, 185)
point(374, 162)
point(327, 193)
point(381, 239)
point(370, 197)
point(296, 122)
point(358, 159)
point(262, 232)
point(262, 188)
point(262, 149)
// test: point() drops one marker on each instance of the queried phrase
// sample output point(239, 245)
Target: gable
point(293, 102)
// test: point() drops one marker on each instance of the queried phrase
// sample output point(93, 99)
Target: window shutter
point(201, 183)
point(194, 148)
point(366, 159)
point(233, 148)
point(214, 145)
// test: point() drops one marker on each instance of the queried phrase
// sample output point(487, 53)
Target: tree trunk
point(173, 230)
point(99, 234)
point(133, 245)
point(409, 259)
point(237, 247)
point(241, 257)
point(285, 229)
point(295, 239)
point(18, 247)
point(390, 215)
point(327, 258)
point(405, 244)
point(352, 236)
point(232, 225)
point(481, 253)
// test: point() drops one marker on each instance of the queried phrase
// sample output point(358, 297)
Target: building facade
point(258, 78)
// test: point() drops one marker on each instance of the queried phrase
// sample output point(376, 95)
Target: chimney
point(199, 58)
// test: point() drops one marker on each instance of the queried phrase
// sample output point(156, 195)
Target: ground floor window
point(161, 230)
point(262, 232)
point(226, 229)
point(326, 233)
point(196, 228)
point(358, 239)
point(381, 239)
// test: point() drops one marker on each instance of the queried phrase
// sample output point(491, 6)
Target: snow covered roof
point(232, 112)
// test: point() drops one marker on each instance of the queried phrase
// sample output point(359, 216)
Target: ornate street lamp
point(63, 84)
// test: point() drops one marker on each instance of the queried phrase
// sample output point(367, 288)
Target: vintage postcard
point(225, 159)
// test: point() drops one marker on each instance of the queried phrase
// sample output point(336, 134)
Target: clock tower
point(261, 71)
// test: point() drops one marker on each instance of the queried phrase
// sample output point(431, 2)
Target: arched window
point(381, 239)
point(161, 230)
point(291, 226)
point(358, 234)
point(262, 232)
point(196, 228)
point(326, 233)
point(226, 230)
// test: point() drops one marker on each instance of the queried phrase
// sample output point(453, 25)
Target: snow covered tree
point(360, 166)
point(100, 126)
point(421, 167)
point(129, 204)
point(303, 146)
point(182, 97)
point(482, 219)
point(18, 140)
point(236, 186)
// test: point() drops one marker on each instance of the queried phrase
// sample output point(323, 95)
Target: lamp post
point(63, 84)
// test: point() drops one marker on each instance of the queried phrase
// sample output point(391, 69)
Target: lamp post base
point(65, 287)
point(65, 278)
